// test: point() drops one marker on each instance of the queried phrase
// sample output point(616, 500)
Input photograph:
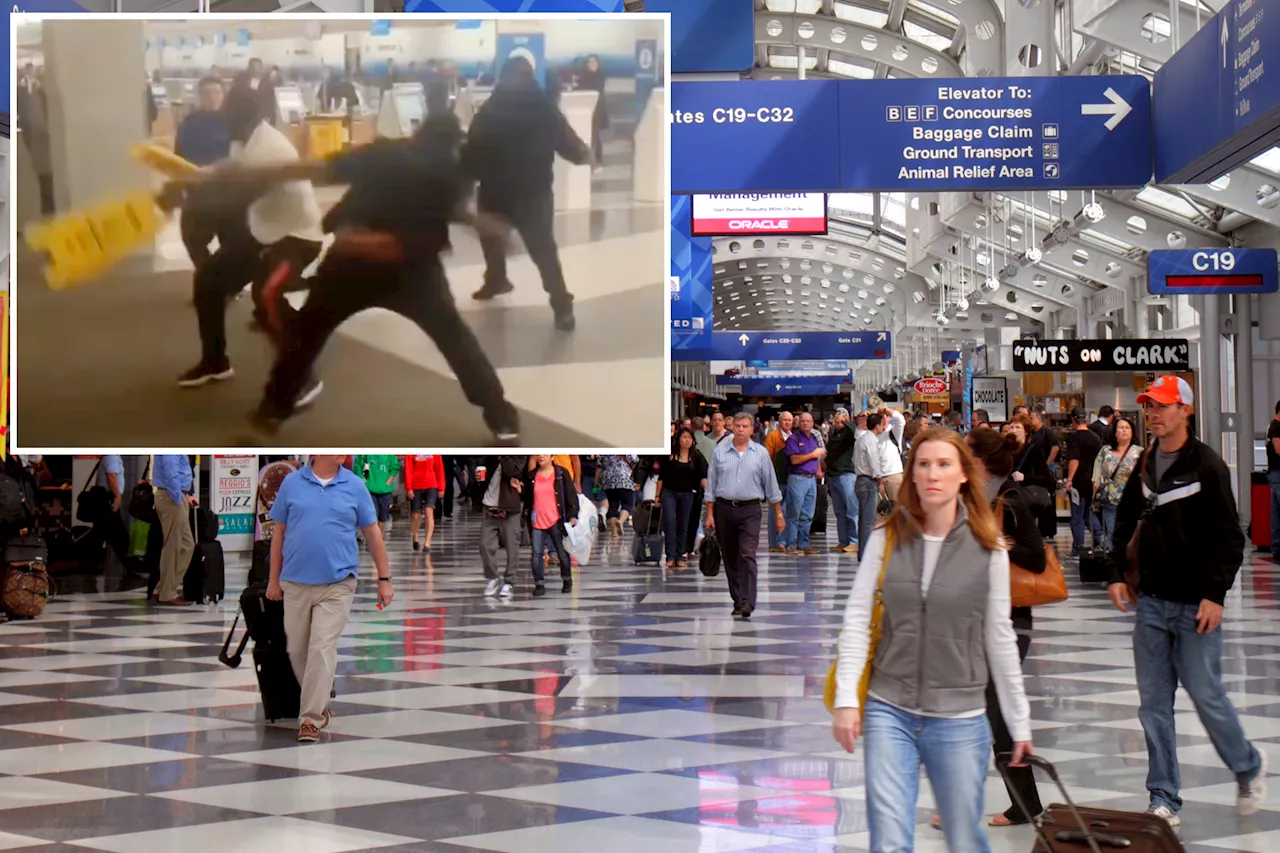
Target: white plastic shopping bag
point(650, 490)
point(582, 536)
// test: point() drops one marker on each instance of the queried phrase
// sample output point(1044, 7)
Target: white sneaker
point(491, 588)
point(1169, 816)
point(1253, 794)
point(506, 591)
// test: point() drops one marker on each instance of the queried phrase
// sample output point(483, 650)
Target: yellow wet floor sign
point(82, 245)
point(161, 159)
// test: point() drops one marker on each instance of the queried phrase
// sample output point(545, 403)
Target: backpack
point(12, 503)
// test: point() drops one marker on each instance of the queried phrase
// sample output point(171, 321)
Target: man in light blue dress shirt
point(173, 482)
point(740, 477)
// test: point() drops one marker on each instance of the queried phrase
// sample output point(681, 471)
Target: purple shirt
point(799, 445)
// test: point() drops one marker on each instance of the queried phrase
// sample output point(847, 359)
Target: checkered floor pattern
point(632, 715)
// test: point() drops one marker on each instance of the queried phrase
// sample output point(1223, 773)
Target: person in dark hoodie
point(391, 227)
point(511, 149)
point(500, 524)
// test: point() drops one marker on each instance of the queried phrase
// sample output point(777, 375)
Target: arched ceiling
point(1051, 266)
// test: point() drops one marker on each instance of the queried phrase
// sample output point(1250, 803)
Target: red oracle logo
point(931, 386)
point(759, 224)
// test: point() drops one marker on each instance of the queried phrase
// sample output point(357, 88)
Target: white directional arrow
point(1117, 109)
point(743, 339)
point(882, 336)
point(777, 387)
point(1226, 38)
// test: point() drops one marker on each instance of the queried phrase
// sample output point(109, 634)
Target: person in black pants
point(995, 454)
point(680, 477)
point(444, 506)
point(391, 226)
point(511, 149)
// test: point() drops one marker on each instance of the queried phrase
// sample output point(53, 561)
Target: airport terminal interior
point(609, 224)
point(629, 694)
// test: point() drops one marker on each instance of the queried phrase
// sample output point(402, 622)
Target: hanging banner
point(751, 214)
point(531, 47)
point(648, 71)
point(690, 282)
point(1166, 355)
point(991, 393)
point(235, 480)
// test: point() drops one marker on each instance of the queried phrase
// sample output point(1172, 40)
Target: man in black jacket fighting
point(511, 149)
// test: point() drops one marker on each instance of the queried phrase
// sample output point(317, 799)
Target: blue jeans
point(1166, 650)
point(553, 539)
point(676, 509)
point(868, 492)
point(954, 754)
point(802, 494)
point(775, 538)
point(1273, 480)
point(1079, 514)
point(845, 503)
point(1108, 523)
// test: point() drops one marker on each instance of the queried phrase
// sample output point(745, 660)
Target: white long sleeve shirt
point(999, 639)
point(890, 455)
point(866, 455)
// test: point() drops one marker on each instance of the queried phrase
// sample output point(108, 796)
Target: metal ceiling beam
point(1122, 24)
point(1244, 186)
point(907, 57)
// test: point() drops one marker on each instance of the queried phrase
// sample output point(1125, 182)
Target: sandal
point(936, 822)
point(671, 564)
point(1003, 819)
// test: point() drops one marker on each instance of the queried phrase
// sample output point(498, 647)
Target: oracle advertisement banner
point(756, 214)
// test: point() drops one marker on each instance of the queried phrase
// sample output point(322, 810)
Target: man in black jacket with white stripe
point(1176, 550)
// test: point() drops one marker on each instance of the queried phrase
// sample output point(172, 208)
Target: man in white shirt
point(279, 233)
point(891, 453)
point(867, 463)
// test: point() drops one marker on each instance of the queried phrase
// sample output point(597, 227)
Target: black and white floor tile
point(632, 715)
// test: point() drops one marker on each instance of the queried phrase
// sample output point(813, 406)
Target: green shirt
point(381, 474)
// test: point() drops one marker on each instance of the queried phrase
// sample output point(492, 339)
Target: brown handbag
point(1029, 589)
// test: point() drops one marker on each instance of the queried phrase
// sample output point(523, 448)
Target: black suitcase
point(647, 519)
point(819, 525)
point(204, 525)
point(1093, 565)
point(260, 566)
point(264, 623)
point(206, 577)
point(646, 548)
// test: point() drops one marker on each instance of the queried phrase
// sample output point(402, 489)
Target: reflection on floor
point(90, 359)
point(632, 715)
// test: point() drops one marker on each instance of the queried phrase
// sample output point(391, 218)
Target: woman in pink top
point(552, 501)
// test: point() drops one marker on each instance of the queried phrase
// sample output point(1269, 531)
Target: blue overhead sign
point(754, 136)
point(1214, 106)
point(689, 285)
point(911, 135)
point(1201, 271)
point(776, 346)
point(710, 35)
point(815, 386)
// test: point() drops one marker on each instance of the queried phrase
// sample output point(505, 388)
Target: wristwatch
point(384, 580)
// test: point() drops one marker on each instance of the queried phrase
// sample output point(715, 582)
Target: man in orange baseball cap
point(1176, 550)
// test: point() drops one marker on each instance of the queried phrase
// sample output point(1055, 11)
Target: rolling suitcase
point(206, 577)
point(1093, 565)
point(647, 548)
point(1072, 829)
point(264, 623)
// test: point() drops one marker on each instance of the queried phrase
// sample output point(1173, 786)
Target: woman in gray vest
point(946, 632)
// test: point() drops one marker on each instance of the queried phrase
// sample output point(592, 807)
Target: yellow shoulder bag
point(877, 626)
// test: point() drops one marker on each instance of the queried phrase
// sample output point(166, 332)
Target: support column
point(97, 98)
point(1209, 394)
point(1030, 40)
point(1244, 409)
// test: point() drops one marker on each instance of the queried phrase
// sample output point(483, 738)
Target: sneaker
point(1253, 794)
point(539, 590)
point(491, 588)
point(308, 733)
point(417, 546)
point(504, 423)
point(1165, 813)
point(310, 391)
point(491, 289)
point(565, 321)
point(506, 591)
point(206, 372)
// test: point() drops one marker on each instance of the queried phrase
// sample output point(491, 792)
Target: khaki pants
point(892, 484)
point(179, 545)
point(314, 617)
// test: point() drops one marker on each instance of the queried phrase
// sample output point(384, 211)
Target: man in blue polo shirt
point(314, 565)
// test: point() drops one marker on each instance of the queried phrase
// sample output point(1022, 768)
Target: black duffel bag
point(94, 502)
point(142, 503)
point(709, 556)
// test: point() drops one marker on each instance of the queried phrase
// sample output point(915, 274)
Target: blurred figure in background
point(203, 139)
point(511, 149)
point(591, 78)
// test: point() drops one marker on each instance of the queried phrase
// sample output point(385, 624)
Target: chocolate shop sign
point(1129, 356)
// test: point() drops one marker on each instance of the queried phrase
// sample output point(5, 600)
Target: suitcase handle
point(1075, 836)
point(233, 661)
point(1086, 834)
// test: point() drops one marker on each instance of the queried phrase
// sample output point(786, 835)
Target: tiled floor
point(631, 716)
